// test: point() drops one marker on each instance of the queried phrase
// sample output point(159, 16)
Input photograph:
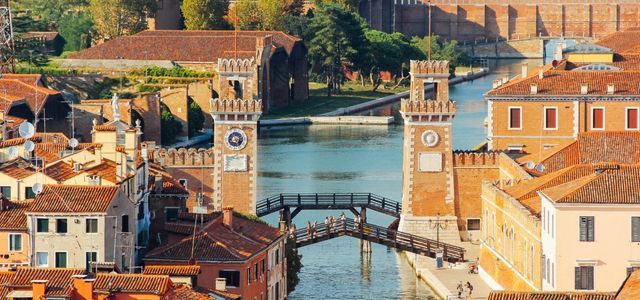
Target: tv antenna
point(7, 59)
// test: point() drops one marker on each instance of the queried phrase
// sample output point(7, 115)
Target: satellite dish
point(26, 130)
point(13, 151)
point(540, 168)
point(73, 143)
point(37, 188)
point(29, 146)
point(531, 165)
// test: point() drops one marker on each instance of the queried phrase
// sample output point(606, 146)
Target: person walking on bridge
point(327, 225)
point(343, 221)
point(309, 234)
point(357, 222)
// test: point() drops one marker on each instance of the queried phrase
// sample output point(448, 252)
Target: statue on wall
point(115, 107)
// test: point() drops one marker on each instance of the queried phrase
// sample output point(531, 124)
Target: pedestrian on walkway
point(314, 228)
point(470, 288)
point(327, 225)
point(343, 221)
point(357, 222)
point(309, 234)
point(460, 290)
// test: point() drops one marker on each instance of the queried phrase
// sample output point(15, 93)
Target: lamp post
point(437, 225)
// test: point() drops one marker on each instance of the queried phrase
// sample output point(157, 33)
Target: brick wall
point(479, 19)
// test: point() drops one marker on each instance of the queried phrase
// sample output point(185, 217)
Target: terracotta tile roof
point(52, 152)
point(26, 78)
point(5, 277)
point(60, 171)
point(621, 41)
point(132, 283)
point(595, 147)
point(74, 198)
point(47, 35)
point(59, 280)
point(106, 170)
point(510, 295)
point(630, 288)
point(184, 292)
point(13, 217)
point(105, 128)
point(169, 185)
point(18, 168)
point(607, 184)
point(37, 138)
point(565, 83)
point(180, 228)
point(27, 91)
point(173, 270)
point(217, 242)
point(200, 46)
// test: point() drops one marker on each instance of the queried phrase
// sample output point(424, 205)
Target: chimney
point(83, 287)
point(525, 70)
point(39, 288)
point(534, 89)
point(221, 284)
point(611, 89)
point(227, 216)
point(157, 186)
point(584, 89)
point(4, 203)
point(557, 55)
point(540, 73)
point(496, 83)
point(505, 79)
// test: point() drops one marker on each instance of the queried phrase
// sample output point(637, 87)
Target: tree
point(390, 52)
point(296, 25)
point(75, 30)
point(205, 14)
point(294, 265)
point(445, 50)
point(195, 117)
point(114, 18)
point(336, 39)
point(169, 126)
point(351, 5)
point(261, 15)
point(50, 12)
point(248, 15)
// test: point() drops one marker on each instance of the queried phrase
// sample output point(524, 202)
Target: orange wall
point(14, 257)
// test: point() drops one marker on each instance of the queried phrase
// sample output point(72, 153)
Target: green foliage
point(146, 88)
point(176, 71)
point(45, 71)
point(24, 22)
point(294, 265)
point(249, 17)
point(75, 29)
point(114, 18)
point(170, 127)
point(442, 50)
point(205, 14)
point(336, 38)
point(351, 5)
point(261, 15)
point(195, 117)
point(32, 52)
point(49, 12)
point(296, 25)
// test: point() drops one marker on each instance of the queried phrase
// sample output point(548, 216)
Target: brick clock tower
point(427, 182)
point(235, 134)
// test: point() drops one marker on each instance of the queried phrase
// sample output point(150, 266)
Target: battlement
point(470, 159)
point(183, 157)
point(433, 68)
point(410, 106)
point(238, 106)
point(236, 65)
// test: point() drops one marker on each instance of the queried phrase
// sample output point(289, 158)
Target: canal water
point(359, 159)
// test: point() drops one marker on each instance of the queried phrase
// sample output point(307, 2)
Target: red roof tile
point(18, 168)
point(630, 288)
point(132, 283)
point(35, 96)
point(621, 41)
point(184, 292)
point(60, 171)
point(47, 35)
point(59, 280)
point(5, 277)
point(510, 295)
point(173, 270)
point(13, 217)
point(106, 170)
point(74, 198)
point(105, 128)
point(201, 46)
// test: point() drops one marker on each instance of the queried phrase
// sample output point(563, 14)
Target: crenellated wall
point(466, 20)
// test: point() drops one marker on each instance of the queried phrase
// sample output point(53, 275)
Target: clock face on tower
point(235, 139)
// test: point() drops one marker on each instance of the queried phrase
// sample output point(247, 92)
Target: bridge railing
point(376, 202)
point(410, 242)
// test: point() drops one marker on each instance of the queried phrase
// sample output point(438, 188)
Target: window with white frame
point(515, 117)
point(15, 242)
point(551, 118)
point(42, 259)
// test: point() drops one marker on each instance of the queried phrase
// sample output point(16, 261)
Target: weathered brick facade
point(491, 19)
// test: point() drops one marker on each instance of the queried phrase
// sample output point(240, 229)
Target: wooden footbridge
point(380, 235)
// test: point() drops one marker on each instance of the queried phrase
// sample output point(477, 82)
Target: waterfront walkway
point(380, 235)
point(444, 281)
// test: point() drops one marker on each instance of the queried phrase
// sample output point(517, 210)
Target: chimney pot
point(540, 73)
point(221, 284)
point(611, 89)
point(227, 216)
point(534, 89)
point(584, 89)
point(495, 83)
point(525, 70)
point(505, 79)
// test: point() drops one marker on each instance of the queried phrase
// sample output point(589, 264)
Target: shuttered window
point(597, 118)
point(515, 121)
point(587, 229)
point(584, 278)
point(635, 229)
point(632, 118)
point(550, 118)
